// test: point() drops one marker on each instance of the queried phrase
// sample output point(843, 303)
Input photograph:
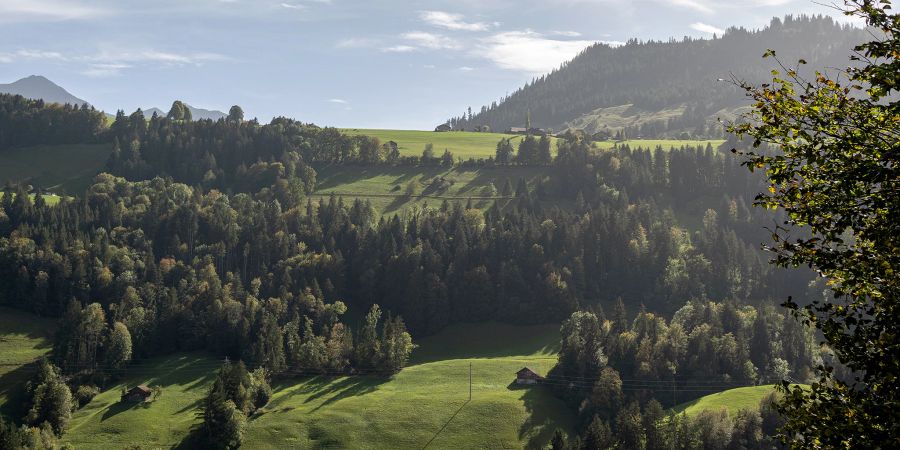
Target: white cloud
point(704, 28)
point(466, 69)
point(567, 33)
point(431, 41)
point(528, 51)
point(451, 21)
point(339, 101)
point(696, 5)
point(39, 55)
point(399, 49)
point(105, 70)
point(429, 66)
point(155, 56)
point(292, 6)
point(46, 10)
point(357, 43)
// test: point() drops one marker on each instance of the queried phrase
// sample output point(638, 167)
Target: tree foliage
point(834, 170)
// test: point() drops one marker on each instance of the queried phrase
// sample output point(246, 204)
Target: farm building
point(137, 394)
point(528, 376)
point(517, 130)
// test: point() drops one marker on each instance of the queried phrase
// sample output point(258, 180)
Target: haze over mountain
point(37, 87)
point(666, 88)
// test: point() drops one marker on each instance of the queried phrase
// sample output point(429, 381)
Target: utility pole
point(470, 381)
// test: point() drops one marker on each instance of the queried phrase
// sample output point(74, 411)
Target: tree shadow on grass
point(12, 386)
point(120, 407)
point(538, 428)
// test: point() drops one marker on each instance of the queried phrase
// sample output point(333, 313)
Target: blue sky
point(349, 63)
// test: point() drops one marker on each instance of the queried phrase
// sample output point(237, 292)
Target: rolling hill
point(733, 400)
point(666, 88)
point(425, 406)
point(37, 87)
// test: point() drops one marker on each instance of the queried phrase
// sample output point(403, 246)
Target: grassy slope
point(483, 145)
point(51, 199)
point(23, 339)
point(733, 400)
point(378, 184)
point(68, 168)
point(426, 404)
point(463, 145)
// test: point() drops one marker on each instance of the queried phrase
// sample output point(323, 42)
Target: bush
point(85, 393)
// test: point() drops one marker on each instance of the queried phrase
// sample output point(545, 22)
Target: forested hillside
point(670, 87)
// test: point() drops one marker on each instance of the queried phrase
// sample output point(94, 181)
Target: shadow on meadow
point(12, 387)
point(538, 428)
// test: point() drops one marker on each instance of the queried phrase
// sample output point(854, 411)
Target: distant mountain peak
point(196, 113)
point(39, 87)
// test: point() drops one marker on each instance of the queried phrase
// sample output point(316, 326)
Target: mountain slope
point(665, 88)
point(37, 87)
point(196, 113)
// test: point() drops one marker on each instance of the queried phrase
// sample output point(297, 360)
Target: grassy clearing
point(107, 423)
point(426, 405)
point(384, 187)
point(61, 168)
point(51, 199)
point(23, 339)
point(484, 145)
point(733, 400)
point(463, 145)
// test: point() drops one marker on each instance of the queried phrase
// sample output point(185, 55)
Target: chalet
point(443, 128)
point(528, 376)
point(137, 394)
point(517, 130)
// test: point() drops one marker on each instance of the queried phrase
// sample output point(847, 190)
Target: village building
point(137, 394)
point(528, 376)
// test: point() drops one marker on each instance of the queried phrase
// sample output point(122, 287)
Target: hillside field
point(733, 400)
point(23, 339)
point(462, 144)
point(385, 187)
point(425, 406)
point(60, 168)
point(467, 145)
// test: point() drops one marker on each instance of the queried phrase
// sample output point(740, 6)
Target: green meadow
point(23, 339)
point(426, 405)
point(733, 400)
point(60, 168)
point(463, 144)
point(385, 187)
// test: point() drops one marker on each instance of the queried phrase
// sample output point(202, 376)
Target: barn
point(528, 376)
point(137, 394)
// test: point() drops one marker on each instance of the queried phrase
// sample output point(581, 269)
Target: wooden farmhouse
point(137, 394)
point(528, 376)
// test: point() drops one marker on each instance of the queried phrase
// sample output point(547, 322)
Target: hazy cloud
point(105, 70)
point(430, 41)
point(704, 28)
point(46, 10)
point(399, 49)
point(339, 101)
point(528, 51)
point(451, 21)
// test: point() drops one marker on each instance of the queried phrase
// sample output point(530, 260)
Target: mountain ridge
point(654, 78)
point(38, 87)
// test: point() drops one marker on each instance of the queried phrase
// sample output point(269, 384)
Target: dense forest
point(655, 75)
point(202, 236)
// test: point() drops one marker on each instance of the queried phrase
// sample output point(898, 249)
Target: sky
point(346, 63)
